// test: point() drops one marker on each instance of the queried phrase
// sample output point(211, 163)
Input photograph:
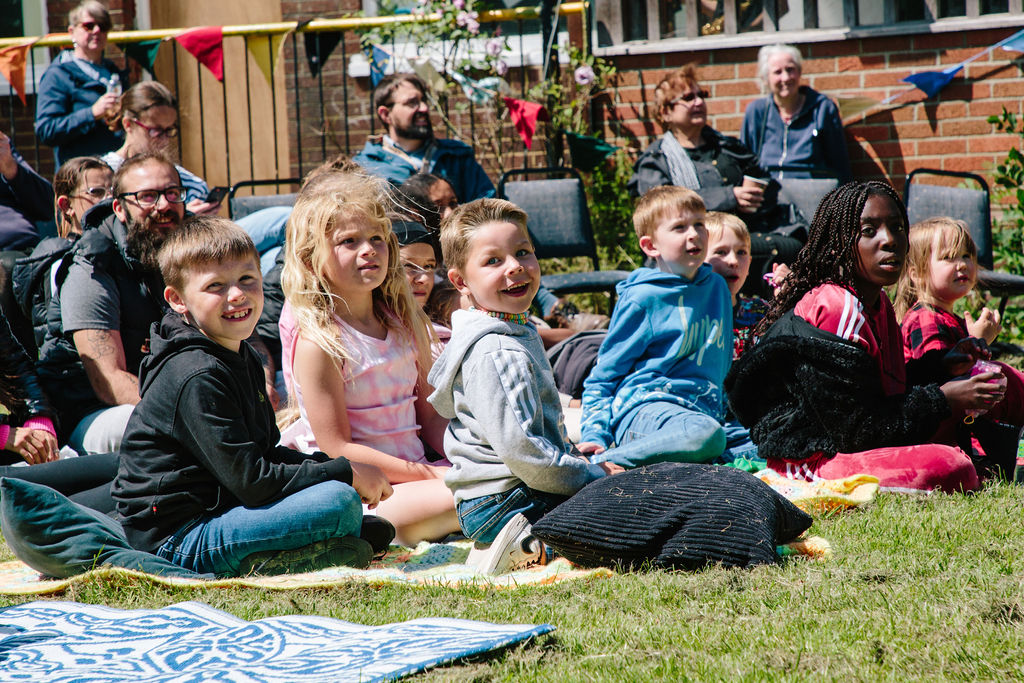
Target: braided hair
point(830, 255)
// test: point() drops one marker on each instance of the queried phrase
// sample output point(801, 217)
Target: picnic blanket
point(823, 495)
point(67, 641)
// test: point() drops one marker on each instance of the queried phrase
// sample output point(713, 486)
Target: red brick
point(1008, 89)
point(718, 72)
point(876, 79)
point(971, 164)
point(728, 125)
point(845, 82)
point(915, 61)
point(999, 145)
point(735, 89)
point(630, 95)
point(964, 127)
point(871, 132)
point(839, 48)
point(942, 146)
point(860, 63)
point(938, 41)
point(987, 108)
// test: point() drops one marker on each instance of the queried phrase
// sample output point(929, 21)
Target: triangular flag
point(931, 82)
point(266, 53)
point(525, 116)
point(144, 53)
point(206, 44)
point(319, 47)
point(424, 68)
point(858, 104)
point(587, 152)
point(482, 91)
point(1014, 42)
point(12, 66)
point(379, 60)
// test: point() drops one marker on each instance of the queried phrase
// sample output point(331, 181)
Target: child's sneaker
point(515, 547)
point(350, 551)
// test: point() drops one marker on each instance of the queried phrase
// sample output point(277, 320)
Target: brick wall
point(948, 131)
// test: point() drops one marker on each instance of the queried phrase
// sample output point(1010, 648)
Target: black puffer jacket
point(802, 390)
point(20, 392)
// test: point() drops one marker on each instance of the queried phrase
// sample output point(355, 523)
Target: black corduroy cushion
point(673, 515)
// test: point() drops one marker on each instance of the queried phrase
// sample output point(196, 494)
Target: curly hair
point(830, 255)
point(682, 79)
point(324, 204)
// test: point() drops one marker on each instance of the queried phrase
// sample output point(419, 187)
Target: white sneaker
point(515, 547)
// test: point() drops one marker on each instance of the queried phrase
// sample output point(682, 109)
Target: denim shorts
point(482, 518)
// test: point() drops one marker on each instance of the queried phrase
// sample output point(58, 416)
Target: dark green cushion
point(61, 538)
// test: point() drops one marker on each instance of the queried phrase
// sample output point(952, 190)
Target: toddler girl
point(824, 392)
point(356, 350)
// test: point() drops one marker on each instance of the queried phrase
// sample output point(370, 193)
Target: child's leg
point(737, 442)
point(420, 511)
point(661, 431)
point(483, 518)
point(913, 468)
point(219, 544)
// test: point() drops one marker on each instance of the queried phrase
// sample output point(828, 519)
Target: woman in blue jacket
point(76, 111)
point(794, 125)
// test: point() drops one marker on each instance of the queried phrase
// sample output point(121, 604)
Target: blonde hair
point(465, 220)
point(953, 237)
point(325, 204)
point(717, 221)
point(95, 10)
point(199, 241)
point(659, 201)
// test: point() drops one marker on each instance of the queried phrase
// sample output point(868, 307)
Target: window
point(25, 18)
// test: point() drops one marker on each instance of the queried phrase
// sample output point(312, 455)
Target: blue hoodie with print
point(670, 339)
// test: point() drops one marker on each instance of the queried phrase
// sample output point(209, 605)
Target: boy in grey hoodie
point(511, 460)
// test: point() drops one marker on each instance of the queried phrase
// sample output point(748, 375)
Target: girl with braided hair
point(826, 393)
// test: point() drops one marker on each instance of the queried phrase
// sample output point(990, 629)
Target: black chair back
point(241, 206)
point(971, 205)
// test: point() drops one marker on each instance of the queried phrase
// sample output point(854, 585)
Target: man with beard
point(409, 146)
point(108, 292)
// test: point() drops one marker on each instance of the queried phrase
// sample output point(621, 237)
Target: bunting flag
point(267, 53)
point(525, 116)
point(143, 53)
point(931, 82)
point(319, 47)
point(1014, 43)
point(379, 60)
point(424, 68)
point(206, 44)
point(12, 66)
point(482, 91)
point(587, 152)
point(854, 105)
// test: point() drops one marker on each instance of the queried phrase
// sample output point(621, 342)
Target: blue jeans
point(662, 431)
point(217, 544)
point(482, 518)
point(737, 442)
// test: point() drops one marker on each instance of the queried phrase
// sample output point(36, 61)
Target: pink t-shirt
point(380, 392)
point(838, 310)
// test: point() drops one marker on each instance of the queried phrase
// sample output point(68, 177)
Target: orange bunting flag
point(206, 44)
point(12, 66)
point(525, 116)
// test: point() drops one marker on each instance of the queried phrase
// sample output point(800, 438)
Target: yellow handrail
point(347, 23)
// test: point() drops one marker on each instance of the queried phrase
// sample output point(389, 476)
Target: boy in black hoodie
point(202, 481)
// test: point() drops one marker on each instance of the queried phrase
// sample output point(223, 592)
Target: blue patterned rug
point(67, 641)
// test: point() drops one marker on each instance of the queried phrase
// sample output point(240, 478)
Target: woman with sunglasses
point(149, 116)
point(720, 168)
point(77, 102)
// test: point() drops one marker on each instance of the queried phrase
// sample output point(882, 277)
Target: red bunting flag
point(206, 44)
point(525, 116)
point(12, 66)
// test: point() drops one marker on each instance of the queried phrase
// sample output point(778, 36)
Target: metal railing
point(306, 119)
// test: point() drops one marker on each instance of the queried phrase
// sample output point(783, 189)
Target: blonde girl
point(356, 351)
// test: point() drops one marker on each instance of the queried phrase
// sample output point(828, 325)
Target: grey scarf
point(680, 166)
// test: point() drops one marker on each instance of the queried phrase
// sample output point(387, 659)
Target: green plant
point(611, 213)
point(1008, 230)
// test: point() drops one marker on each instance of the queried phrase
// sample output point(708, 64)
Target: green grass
point(917, 588)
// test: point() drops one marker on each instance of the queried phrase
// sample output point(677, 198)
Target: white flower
point(494, 47)
point(584, 75)
point(500, 67)
point(459, 4)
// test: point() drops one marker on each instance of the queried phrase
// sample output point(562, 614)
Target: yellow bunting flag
point(267, 52)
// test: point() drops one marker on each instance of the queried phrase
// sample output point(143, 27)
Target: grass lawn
point(917, 588)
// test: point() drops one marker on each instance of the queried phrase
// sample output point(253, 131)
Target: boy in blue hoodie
point(655, 393)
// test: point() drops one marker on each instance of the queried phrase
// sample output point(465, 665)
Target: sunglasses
point(90, 26)
point(689, 97)
point(156, 131)
point(96, 193)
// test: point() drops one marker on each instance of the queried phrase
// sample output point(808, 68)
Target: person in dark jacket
point(77, 104)
point(202, 481)
point(25, 199)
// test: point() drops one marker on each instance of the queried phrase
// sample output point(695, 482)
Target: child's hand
point(35, 446)
point(589, 448)
point(370, 483)
point(610, 467)
point(987, 325)
point(959, 359)
point(977, 393)
point(780, 271)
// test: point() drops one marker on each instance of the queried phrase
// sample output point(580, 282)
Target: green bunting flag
point(587, 152)
point(144, 53)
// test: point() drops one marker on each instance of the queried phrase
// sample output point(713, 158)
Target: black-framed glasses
point(147, 198)
point(156, 131)
point(689, 97)
point(90, 25)
point(96, 193)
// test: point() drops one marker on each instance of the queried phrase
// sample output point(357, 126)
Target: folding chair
point(806, 193)
point(971, 206)
point(246, 204)
point(559, 225)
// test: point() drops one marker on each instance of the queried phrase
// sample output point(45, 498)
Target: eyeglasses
point(96, 193)
point(89, 26)
point(147, 198)
point(689, 97)
point(156, 131)
point(414, 271)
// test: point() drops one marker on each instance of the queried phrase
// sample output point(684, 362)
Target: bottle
point(114, 84)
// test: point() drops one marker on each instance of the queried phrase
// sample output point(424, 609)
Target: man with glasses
point(77, 103)
point(109, 291)
point(409, 146)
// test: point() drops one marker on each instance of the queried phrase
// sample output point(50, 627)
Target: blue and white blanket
point(190, 641)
